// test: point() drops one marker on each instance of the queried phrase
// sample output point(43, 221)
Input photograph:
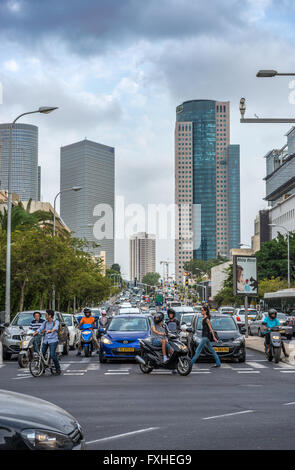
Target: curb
point(260, 347)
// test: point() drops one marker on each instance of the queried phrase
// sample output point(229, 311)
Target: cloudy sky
point(118, 68)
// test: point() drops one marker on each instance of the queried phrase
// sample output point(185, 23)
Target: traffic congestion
point(135, 333)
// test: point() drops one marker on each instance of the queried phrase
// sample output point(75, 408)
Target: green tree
point(152, 279)
point(272, 258)
point(198, 266)
point(116, 267)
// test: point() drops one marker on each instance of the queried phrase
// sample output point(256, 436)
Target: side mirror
point(6, 325)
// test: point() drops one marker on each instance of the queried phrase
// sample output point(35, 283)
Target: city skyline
point(123, 91)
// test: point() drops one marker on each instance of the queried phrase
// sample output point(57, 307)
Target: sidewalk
point(257, 343)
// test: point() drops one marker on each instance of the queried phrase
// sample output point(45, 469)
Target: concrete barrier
point(257, 343)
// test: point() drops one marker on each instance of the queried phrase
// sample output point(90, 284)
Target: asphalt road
point(240, 406)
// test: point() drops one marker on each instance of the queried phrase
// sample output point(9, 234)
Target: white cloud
point(11, 65)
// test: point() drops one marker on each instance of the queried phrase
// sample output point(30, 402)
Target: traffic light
point(186, 281)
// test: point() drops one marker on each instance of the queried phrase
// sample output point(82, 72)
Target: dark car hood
point(225, 335)
point(25, 412)
point(128, 335)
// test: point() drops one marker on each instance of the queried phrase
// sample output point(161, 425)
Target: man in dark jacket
point(172, 323)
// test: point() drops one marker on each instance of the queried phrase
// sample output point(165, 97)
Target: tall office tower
point(207, 183)
point(39, 183)
point(24, 181)
point(142, 255)
point(89, 213)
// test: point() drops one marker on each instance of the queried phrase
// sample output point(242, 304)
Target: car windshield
point(68, 320)
point(22, 319)
point(128, 324)
point(250, 312)
point(281, 316)
point(220, 324)
point(187, 319)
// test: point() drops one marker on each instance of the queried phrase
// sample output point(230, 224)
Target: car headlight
point(238, 341)
point(38, 439)
point(106, 341)
point(6, 334)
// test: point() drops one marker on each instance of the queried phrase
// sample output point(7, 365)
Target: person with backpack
point(50, 328)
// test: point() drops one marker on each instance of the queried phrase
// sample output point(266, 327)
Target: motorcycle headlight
point(25, 343)
point(183, 348)
point(38, 439)
point(106, 341)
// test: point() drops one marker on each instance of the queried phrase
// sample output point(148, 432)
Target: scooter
point(275, 346)
point(86, 339)
point(26, 348)
point(151, 356)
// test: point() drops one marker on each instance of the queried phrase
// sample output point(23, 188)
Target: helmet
point(171, 311)
point(103, 312)
point(87, 310)
point(272, 313)
point(158, 317)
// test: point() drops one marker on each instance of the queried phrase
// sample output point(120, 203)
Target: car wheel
point(243, 357)
point(102, 359)
point(65, 351)
point(6, 356)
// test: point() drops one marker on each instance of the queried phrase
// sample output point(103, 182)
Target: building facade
point(90, 212)
point(142, 255)
point(24, 178)
point(207, 183)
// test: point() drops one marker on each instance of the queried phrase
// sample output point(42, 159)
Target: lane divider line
point(118, 436)
point(229, 414)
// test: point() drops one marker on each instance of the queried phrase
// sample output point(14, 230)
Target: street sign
point(245, 275)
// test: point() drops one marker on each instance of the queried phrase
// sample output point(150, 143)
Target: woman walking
point(207, 331)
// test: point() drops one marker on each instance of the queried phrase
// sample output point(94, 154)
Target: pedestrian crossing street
point(84, 366)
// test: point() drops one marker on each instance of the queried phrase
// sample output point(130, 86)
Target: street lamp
point(42, 110)
point(74, 188)
point(271, 73)
point(288, 238)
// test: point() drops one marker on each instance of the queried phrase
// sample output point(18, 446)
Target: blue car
point(121, 338)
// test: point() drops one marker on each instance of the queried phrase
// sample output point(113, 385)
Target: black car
point(28, 423)
point(231, 344)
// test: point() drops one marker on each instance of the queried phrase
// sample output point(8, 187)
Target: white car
point(239, 316)
point(72, 324)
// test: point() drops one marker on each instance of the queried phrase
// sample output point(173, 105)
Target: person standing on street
point(35, 325)
point(207, 333)
point(50, 329)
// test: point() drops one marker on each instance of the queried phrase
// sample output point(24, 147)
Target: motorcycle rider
point(35, 325)
point(159, 335)
point(269, 322)
point(88, 319)
point(172, 323)
point(103, 320)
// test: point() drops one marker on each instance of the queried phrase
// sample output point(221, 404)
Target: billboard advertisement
point(245, 275)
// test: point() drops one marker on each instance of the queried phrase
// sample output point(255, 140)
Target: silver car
point(20, 324)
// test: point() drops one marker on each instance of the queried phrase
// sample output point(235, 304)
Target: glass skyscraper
point(24, 179)
point(91, 166)
point(207, 183)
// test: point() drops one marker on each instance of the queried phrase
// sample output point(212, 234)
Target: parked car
point(239, 316)
point(74, 332)
point(256, 327)
point(121, 338)
point(29, 423)
point(231, 344)
point(21, 323)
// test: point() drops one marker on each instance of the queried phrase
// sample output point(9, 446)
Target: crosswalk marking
point(248, 371)
point(256, 365)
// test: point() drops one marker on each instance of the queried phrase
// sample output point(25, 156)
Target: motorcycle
point(275, 346)
point(26, 348)
point(86, 339)
point(151, 356)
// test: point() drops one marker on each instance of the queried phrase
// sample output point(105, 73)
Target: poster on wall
point(245, 275)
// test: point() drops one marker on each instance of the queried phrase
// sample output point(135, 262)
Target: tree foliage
point(198, 266)
point(152, 279)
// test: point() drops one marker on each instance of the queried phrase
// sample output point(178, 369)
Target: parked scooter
point(275, 346)
point(26, 348)
point(151, 356)
point(86, 339)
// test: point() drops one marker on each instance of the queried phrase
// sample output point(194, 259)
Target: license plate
point(126, 349)
point(221, 349)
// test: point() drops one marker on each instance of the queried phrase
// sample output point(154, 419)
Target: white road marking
point(256, 365)
point(283, 365)
point(118, 436)
point(23, 377)
point(199, 372)
point(72, 373)
point(118, 370)
point(116, 373)
point(291, 403)
point(248, 371)
point(243, 368)
point(229, 414)
point(287, 371)
point(93, 367)
point(64, 366)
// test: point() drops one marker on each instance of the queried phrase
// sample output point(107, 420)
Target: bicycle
point(39, 363)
